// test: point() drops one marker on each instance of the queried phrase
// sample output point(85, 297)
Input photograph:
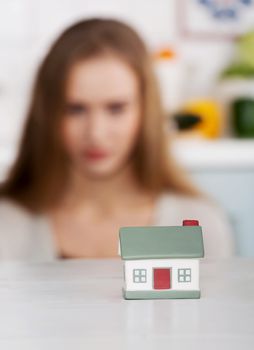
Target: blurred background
point(204, 58)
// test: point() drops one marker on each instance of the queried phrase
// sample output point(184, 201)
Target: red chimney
point(190, 223)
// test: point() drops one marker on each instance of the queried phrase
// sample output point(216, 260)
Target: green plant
point(243, 64)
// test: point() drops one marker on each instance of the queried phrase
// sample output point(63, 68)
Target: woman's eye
point(116, 108)
point(76, 109)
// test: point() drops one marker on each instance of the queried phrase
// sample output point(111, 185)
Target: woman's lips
point(95, 154)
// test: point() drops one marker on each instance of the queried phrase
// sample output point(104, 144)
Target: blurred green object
point(240, 70)
point(246, 48)
point(243, 117)
point(243, 65)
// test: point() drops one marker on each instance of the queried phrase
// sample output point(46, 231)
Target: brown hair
point(40, 170)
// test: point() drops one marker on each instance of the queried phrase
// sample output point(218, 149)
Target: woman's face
point(102, 119)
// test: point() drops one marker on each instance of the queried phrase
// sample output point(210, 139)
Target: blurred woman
point(95, 154)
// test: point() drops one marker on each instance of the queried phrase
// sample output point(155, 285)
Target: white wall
point(174, 264)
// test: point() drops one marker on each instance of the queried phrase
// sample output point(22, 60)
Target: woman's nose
point(96, 127)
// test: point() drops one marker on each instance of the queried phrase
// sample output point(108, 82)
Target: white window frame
point(184, 275)
point(139, 275)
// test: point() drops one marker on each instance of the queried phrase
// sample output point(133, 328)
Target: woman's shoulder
point(9, 207)
point(13, 215)
point(23, 235)
point(173, 204)
point(173, 208)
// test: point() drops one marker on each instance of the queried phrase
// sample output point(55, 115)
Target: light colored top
point(78, 304)
point(27, 237)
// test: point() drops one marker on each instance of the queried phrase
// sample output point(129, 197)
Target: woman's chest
point(92, 236)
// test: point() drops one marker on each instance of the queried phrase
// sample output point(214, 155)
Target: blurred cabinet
point(234, 190)
point(225, 170)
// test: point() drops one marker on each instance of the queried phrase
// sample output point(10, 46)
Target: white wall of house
point(174, 264)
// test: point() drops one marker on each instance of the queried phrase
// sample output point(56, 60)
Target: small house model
point(161, 262)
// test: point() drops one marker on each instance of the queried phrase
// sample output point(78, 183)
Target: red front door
point(161, 278)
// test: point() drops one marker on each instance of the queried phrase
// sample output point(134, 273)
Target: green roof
point(158, 242)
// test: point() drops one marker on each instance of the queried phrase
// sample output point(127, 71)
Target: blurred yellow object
point(209, 112)
point(165, 54)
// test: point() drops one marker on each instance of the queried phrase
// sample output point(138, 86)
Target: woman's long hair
point(40, 171)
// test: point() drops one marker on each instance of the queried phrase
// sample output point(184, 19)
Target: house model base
point(171, 294)
point(162, 262)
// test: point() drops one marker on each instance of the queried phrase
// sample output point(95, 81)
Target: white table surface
point(77, 304)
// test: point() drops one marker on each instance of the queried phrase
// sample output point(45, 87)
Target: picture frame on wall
point(214, 19)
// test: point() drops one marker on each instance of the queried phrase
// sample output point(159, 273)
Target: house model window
point(184, 275)
point(139, 275)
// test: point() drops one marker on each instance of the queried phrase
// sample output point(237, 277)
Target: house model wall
point(161, 262)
